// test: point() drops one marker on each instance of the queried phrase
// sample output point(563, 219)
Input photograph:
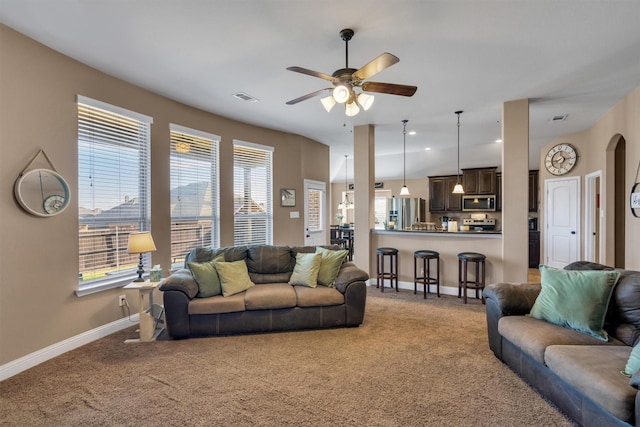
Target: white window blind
point(113, 191)
point(252, 189)
point(194, 191)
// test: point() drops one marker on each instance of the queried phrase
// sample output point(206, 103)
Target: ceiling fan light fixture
point(351, 109)
point(366, 101)
point(341, 94)
point(328, 103)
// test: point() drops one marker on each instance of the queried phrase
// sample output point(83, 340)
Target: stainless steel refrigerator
point(404, 212)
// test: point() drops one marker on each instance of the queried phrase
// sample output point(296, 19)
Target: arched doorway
point(616, 171)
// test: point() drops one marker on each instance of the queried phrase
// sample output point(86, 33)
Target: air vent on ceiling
point(560, 118)
point(245, 97)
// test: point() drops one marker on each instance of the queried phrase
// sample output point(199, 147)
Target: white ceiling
point(575, 57)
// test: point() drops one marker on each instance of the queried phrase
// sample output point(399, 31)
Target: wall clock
point(560, 159)
point(42, 192)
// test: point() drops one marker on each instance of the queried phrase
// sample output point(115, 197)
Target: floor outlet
point(122, 300)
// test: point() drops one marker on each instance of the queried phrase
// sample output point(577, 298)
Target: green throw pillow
point(305, 272)
point(330, 265)
point(575, 299)
point(234, 277)
point(633, 364)
point(206, 277)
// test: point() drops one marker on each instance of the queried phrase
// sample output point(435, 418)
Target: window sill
point(103, 285)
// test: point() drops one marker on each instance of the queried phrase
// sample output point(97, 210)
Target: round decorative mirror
point(42, 192)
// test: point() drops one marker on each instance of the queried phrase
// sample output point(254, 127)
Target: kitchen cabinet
point(533, 191)
point(498, 191)
point(479, 180)
point(534, 249)
point(441, 198)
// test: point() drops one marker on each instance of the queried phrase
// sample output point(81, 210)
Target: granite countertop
point(471, 232)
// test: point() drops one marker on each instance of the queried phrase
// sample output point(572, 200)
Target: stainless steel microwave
point(479, 203)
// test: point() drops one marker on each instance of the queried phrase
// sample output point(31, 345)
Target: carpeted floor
point(413, 362)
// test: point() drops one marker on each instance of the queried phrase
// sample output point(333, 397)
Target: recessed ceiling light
point(427, 149)
point(412, 132)
point(498, 141)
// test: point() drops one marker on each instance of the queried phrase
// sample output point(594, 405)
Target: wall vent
point(560, 118)
point(245, 97)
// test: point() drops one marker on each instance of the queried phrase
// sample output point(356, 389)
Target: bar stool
point(392, 274)
point(463, 282)
point(425, 278)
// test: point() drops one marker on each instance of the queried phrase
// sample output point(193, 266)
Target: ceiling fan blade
point(312, 73)
point(307, 96)
point(374, 67)
point(390, 88)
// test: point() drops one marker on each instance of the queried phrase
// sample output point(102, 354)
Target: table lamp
point(140, 243)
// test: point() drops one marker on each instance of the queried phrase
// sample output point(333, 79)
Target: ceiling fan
point(345, 80)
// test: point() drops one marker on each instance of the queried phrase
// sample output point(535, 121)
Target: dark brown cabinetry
point(534, 249)
point(498, 191)
point(441, 198)
point(533, 191)
point(479, 180)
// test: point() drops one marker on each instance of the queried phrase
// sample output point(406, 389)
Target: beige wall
point(593, 147)
point(39, 258)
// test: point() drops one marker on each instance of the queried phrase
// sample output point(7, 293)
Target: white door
point(562, 221)
point(315, 217)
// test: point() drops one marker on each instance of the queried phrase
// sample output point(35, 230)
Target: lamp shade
point(328, 103)
point(141, 242)
point(457, 189)
point(366, 101)
point(352, 109)
point(341, 94)
point(404, 191)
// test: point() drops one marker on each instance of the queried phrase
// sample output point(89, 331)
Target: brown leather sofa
point(301, 308)
point(578, 373)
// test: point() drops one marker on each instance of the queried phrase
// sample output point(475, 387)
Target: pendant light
point(346, 203)
point(458, 187)
point(405, 190)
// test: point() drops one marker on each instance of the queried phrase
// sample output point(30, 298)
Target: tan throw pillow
point(330, 265)
point(234, 277)
point(305, 272)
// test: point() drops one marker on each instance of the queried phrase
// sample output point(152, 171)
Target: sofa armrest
point(513, 299)
point(506, 299)
point(348, 274)
point(183, 281)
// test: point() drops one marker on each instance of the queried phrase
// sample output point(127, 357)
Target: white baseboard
point(37, 357)
point(444, 290)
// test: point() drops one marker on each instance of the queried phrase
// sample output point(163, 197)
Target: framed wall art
point(287, 197)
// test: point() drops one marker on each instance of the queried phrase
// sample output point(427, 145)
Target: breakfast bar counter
point(448, 244)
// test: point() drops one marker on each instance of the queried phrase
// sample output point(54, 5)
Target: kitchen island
point(448, 244)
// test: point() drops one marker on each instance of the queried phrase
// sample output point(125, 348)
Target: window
point(113, 192)
point(380, 207)
point(252, 194)
point(194, 191)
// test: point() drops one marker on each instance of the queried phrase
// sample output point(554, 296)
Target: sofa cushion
point(267, 259)
point(594, 371)
point(317, 297)
point(330, 266)
point(625, 307)
point(217, 304)
point(206, 277)
point(305, 273)
point(575, 299)
point(533, 336)
point(271, 296)
point(234, 277)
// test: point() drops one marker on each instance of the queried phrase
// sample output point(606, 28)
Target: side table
point(151, 321)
